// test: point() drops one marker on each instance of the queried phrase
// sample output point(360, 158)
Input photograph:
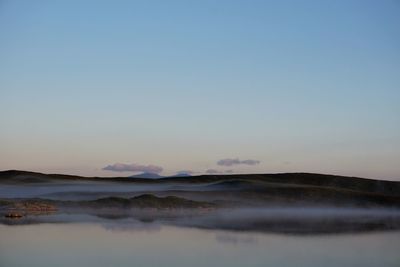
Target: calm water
point(99, 244)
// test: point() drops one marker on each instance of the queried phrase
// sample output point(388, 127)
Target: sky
point(112, 88)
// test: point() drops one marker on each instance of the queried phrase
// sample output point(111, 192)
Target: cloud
point(121, 167)
point(231, 162)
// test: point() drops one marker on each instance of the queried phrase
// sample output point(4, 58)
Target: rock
point(14, 215)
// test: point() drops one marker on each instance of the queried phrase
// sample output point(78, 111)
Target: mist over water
point(76, 190)
point(204, 223)
point(257, 215)
point(82, 190)
point(282, 220)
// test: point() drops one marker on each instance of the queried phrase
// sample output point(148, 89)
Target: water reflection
point(299, 221)
point(131, 225)
point(230, 238)
point(142, 245)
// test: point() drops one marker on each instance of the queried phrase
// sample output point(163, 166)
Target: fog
point(231, 205)
point(283, 220)
point(89, 190)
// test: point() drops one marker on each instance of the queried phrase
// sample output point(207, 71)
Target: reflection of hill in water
point(300, 221)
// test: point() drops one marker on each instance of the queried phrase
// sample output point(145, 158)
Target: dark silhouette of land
point(204, 198)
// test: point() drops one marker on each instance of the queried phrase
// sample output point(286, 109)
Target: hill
point(390, 188)
point(234, 202)
point(147, 175)
point(147, 201)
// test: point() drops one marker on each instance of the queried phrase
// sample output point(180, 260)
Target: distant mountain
point(147, 175)
point(181, 174)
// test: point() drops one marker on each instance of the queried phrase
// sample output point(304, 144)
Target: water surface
point(100, 244)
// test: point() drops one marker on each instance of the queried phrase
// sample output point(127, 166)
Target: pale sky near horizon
point(275, 86)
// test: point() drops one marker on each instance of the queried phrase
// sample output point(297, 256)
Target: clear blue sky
point(309, 86)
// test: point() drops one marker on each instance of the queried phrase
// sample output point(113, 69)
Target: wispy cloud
point(232, 162)
point(133, 167)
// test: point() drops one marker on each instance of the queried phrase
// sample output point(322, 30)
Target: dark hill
point(306, 179)
point(147, 175)
point(389, 188)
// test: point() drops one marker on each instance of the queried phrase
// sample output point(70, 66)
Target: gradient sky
point(310, 86)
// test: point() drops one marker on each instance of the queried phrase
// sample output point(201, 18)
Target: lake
point(113, 244)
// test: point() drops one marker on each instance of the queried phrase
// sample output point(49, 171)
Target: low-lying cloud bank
point(133, 167)
point(231, 162)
